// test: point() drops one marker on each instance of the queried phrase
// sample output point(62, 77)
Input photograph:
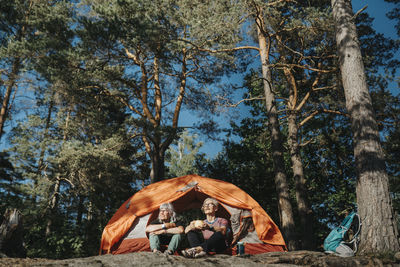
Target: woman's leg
point(174, 243)
point(154, 242)
point(195, 239)
point(215, 243)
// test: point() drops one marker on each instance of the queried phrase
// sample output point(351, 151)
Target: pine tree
point(245, 162)
point(148, 56)
point(395, 14)
point(281, 183)
point(373, 197)
point(29, 30)
point(182, 157)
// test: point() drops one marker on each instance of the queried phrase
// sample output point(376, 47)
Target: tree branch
point(323, 110)
point(220, 50)
point(358, 12)
point(233, 105)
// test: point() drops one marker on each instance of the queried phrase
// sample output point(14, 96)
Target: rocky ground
point(142, 259)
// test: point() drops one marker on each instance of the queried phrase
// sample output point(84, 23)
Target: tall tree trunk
point(379, 227)
point(157, 168)
point(41, 165)
point(11, 234)
point(6, 99)
point(285, 207)
point(81, 209)
point(45, 136)
point(57, 185)
point(156, 147)
point(90, 211)
point(13, 75)
point(53, 206)
point(305, 212)
point(157, 158)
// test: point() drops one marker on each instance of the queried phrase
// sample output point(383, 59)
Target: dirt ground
point(143, 259)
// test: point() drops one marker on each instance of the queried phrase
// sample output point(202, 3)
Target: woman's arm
point(174, 230)
point(221, 229)
point(156, 227)
point(190, 227)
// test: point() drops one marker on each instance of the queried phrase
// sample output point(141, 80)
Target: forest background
point(93, 94)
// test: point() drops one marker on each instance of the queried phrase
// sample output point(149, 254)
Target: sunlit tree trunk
point(15, 69)
point(155, 145)
point(379, 228)
point(6, 98)
point(285, 207)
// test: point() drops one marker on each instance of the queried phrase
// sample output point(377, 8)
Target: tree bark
point(45, 136)
point(53, 206)
point(43, 147)
point(157, 165)
point(304, 210)
point(11, 234)
point(56, 192)
point(81, 209)
point(285, 207)
point(305, 213)
point(155, 147)
point(6, 99)
point(379, 227)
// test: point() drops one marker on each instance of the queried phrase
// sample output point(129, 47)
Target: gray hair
point(212, 200)
point(171, 210)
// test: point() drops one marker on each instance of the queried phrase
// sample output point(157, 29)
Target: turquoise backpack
point(334, 242)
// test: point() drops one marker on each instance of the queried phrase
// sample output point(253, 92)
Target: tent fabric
point(132, 245)
point(186, 192)
point(143, 244)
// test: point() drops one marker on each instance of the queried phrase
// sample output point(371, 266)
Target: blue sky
point(377, 9)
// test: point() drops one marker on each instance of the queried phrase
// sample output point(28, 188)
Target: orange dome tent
point(125, 232)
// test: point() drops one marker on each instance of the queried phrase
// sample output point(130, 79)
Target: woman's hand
point(170, 225)
point(200, 225)
point(190, 227)
point(158, 232)
point(209, 227)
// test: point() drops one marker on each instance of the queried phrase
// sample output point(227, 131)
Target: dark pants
point(215, 243)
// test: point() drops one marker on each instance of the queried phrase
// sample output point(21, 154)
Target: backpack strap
point(359, 225)
point(356, 238)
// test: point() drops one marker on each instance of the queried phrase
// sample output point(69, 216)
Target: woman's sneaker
point(168, 252)
point(189, 253)
point(200, 254)
point(156, 251)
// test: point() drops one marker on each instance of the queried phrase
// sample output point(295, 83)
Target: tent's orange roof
point(152, 196)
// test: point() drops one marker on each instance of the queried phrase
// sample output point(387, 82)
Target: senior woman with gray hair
point(165, 230)
point(208, 235)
